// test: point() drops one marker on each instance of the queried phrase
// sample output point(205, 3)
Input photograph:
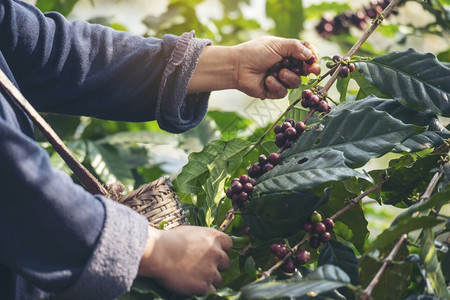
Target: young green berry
point(302, 257)
point(315, 217)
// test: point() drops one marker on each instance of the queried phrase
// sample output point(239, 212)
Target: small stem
point(386, 12)
point(229, 217)
point(357, 199)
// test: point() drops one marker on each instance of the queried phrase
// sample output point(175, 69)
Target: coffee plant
point(296, 195)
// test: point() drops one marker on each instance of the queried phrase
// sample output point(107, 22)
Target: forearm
point(216, 70)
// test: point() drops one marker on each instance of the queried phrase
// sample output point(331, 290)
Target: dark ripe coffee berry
point(314, 241)
point(236, 186)
point(286, 62)
point(253, 182)
point(274, 158)
point(314, 101)
point(302, 257)
point(274, 74)
point(351, 67)
point(325, 237)
point(290, 133)
point(344, 72)
point(311, 60)
point(329, 224)
point(280, 139)
point(248, 187)
point(296, 63)
point(287, 144)
point(229, 192)
point(322, 106)
point(235, 198)
point(336, 58)
point(243, 196)
point(319, 227)
point(275, 68)
point(308, 227)
point(262, 159)
point(234, 179)
point(315, 217)
point(306, 94)
point(279, 250)
point(267, 167)
point(297, 71)
point(305, 103)
point(244, 179)
point(288, 266)
point(300, 127)
point(290, 121)
point(255, 170)
point(286, 125)
point(245, 230)
point(277, 129)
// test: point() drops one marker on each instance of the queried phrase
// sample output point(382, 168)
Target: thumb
point(296, 49)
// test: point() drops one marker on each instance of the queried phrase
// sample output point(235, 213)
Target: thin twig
point(425, 196)
point(229, 217)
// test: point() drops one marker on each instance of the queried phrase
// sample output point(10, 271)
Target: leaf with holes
point(415, 79)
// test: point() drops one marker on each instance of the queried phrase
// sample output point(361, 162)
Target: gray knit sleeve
point(177, 111)
point(114, 263)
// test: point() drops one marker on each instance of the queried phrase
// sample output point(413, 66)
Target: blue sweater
point(56, 238)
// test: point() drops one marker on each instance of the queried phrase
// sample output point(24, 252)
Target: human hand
point(256, 56)
point(187, 259)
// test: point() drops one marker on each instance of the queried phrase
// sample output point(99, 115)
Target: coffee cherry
point(344, 72)
point(311, 60)
point(329, 224)
point(287, 144)
point(253, 182)
point(351, 67)
point(267, 167)
point(290, 133)
point(262, 159)
point(274, 158)
point(290, 121)
point(315, 217)
point(286, 125)
point(236, 186)
point(279, 250)
point(325, 237)
point(248, 187)
point(280, 139)
point(288, 266)
point(296, 63)
point(306, 94)
point(235, 198)
point(308, 227)
point(300, 127)
point(244, 179)
point(297, 71)
point(323, 106)
point(286, 62)
point(277, 129)
point(314, 101)
point(305, 103)
point(314, 241)
point(274, 74)
point(243, 196)
point(275, 68)
point(318, 227)
point(336, 58)
point(302, 257)
point(229, 192)
point(255, 170)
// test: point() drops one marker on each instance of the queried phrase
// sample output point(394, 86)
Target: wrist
point(148, 265)
point(216, 70)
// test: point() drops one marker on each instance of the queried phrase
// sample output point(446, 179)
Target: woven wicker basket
point(158, 202)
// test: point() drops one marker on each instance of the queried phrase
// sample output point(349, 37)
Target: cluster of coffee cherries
point(341, 23)
point(320, 229)
point(313, 101)
point(292, 64)
point(346, 68)
point(288, 132)
point(240, 190)
point(298, 259)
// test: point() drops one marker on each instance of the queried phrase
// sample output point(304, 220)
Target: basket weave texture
point(158, 202)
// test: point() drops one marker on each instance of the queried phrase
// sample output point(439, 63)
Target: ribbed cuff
point(114, 263)
point(176, 111)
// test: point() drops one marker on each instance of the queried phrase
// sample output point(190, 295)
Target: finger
point(224, 262)
point(217, 280)
point(226, 242)
point(296, 49)
point(291, 79)
point(311, 47)
point(275, 89)
point(314, 69)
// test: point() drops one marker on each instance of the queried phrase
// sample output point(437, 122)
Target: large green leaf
point(360, 134)
point(417, 80)
point(394, 280)
point(405, 225)
point(196, 171)
point(288, 16)
point(279, 215)
point(429, 259)
point(305, 171)
point(338, 254)
point(214, 187)
point(62, 6)
point(324, 279)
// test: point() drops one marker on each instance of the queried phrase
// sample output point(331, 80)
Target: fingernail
point(307, 52)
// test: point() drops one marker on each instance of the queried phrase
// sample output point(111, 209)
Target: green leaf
point(432, 266)
point(317, 10)
point(445, 266)
point(229, 123)
point(406, 225)
point(62, 6)
point(338, 254)
point(324, 279)
point(417, 80)
point(394, 281)
point(279, 215)
point(360, 134)
point(288, 16)
point(342, 86)
point(214, 187)
point(196, 171)
point(305, 171)
point(109, 165)
point(366, 88)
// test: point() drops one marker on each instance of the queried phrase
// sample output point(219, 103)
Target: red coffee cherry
point(302, 257)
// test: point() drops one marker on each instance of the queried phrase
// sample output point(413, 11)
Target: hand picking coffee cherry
point(294, 65)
